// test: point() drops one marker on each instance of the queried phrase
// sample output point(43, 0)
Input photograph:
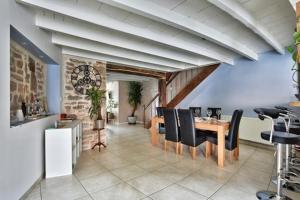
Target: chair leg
point(194, 153)
point(177, 147)
point(181, 148)
point(208, 149)
point(231, 155)
point(236, 153)
point(166, 145)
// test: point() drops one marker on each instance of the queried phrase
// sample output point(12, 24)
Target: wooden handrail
point(146, 106)
point(172, 78)
point(150, 102)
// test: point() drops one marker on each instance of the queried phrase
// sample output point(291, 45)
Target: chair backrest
point(171, 125)
point(234, 129)
point(160, 111)
point(187, 127)
point(196, 111)
point(214, 112)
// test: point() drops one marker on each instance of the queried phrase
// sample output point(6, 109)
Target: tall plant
point(293, 50)
point(134, 95)
point(97, 98)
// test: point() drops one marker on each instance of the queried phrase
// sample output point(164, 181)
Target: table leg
point(153, 131)
point(221, 146)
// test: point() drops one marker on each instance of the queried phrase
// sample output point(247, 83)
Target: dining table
point(220, 127)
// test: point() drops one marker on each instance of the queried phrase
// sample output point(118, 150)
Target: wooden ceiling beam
point(135, 71)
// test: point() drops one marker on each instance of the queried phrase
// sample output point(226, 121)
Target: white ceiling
point(167, 35)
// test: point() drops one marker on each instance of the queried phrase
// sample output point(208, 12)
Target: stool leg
point(279, 170)
point(287, 159)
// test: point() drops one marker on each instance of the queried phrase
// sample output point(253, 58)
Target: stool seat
point(281, 137)
point(293, 129)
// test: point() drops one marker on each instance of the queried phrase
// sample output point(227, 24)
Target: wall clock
point(85, 77)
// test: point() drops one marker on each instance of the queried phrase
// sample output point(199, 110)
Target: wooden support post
point(162, 92)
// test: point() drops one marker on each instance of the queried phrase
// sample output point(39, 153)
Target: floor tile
point(82, 172)
point(151, 164)
point(99, 182)
point(176, 192)
point(149, 183)
point(171, 173)
point(121, 191)
point(129, 172)
point(232, 193)
point(67, 187)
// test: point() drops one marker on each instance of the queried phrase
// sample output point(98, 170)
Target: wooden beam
point(162, 86)
point(135, 71)
point(201, 76)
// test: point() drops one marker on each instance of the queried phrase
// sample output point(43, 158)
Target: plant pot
point(131, 120)
point(99, 123)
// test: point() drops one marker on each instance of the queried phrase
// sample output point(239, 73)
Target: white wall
point(21, 151)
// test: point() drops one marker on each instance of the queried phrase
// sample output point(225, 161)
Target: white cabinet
point(62, 148)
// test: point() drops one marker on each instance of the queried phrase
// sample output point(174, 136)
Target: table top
point(211, 125)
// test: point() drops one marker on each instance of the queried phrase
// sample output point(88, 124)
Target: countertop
point(31, 119)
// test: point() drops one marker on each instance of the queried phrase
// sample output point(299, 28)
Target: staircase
point(174, 88)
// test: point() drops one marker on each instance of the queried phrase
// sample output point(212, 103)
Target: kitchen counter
point(30, 119)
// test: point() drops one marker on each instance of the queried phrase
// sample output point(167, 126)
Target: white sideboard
point(63, 146)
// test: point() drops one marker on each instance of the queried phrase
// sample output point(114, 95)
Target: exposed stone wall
point(27, 77)
point(78, 104)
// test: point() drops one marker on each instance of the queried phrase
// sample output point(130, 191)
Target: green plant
point(97, 98)
point(293, 50)
point(134, 95)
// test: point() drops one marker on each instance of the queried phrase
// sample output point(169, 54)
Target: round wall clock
point(85, 77)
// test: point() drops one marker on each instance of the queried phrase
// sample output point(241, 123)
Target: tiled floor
point(131, 168)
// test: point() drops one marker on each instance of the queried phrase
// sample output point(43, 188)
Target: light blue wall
point(247, 84)
point(53, 88)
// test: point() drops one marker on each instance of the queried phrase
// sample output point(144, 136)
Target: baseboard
point(25, 195)
point(257, 144)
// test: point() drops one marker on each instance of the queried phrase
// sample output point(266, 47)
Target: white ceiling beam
point(148, 9)
point(236, 10)
point(88, 45)
point(113, 59)
point(293, 3)
point(105, 36)
point(92, 15)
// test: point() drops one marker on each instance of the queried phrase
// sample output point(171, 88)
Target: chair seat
point(281, 137)
point(213, 138)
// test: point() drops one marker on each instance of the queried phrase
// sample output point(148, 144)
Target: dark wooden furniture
point(99, 143)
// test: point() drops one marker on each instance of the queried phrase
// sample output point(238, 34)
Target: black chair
point(172, 129)
point(214, 113)
point(196, 111)
point(231, 140)
point(190, 136)
point(160, 113)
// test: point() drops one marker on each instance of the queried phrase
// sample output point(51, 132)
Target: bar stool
point(280, 139)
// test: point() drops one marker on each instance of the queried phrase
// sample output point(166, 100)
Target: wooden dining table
point(220, 127)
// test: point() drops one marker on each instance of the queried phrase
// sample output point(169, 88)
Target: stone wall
point(78, 104)
point(27, 77)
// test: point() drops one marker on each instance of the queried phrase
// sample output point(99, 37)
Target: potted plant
point(293, 50)
point(97, 98)
point(134, 99)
